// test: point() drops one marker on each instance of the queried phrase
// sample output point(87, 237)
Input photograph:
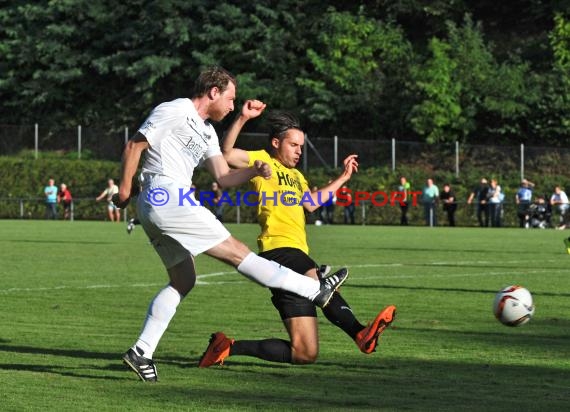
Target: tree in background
point(354, 62)
point(548, 120)
point(82, 62)
point(408, 69)
point(466, 94)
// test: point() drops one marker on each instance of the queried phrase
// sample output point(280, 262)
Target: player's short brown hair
point(214, 76)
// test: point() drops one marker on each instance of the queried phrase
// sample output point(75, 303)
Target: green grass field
point(74, 294)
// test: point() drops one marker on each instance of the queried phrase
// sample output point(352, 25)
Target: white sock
point(160, 311)
point(273, 275)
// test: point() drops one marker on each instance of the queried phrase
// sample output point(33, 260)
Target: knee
point(183, 286)
point(182, 277)
point(305, 357)
point(232, 251)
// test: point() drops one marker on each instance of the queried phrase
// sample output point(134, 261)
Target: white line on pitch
point(135, 285)
point(358, 278)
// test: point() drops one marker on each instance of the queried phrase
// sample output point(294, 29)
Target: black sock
point(273, 350)
point(339, 314)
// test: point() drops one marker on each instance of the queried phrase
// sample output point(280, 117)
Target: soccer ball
point(318, 222)
point(513, 306)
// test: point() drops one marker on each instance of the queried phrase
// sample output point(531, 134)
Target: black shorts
point(291, 305)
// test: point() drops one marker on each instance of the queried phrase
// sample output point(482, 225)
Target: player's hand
point(350, 165)
point(262, 169)
point(120, 203)
point(252, 108)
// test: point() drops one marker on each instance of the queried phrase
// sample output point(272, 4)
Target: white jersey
point(559, 198)
point(179, 140)
point(110, 191)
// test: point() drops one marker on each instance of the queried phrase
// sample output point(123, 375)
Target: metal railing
point(328, 152)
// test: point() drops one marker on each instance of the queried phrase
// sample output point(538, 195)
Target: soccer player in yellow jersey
point(282, 200)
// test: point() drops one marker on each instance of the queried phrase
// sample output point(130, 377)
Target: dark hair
point(214, 76)
point(280, 123)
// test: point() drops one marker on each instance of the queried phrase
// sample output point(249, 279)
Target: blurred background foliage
point(432, 71)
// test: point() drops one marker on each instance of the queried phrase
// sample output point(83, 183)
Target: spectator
point(64, 197)
point(447, 197)
point(430, 194)
point(218, 206)
point(113, 211)
point(540, 213)
point(316, 215)
point(495, 199)
point(327, 209)
point(348, 212)
point(559, 203)
point(523, 199)
point(50, 192)
point(479, 194)
point(404, 188)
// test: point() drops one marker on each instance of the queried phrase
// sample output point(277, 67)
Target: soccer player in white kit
point(177, 137)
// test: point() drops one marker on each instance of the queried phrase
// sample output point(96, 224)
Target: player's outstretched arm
point(239, 158)
point(226, 177)
point(322, 195)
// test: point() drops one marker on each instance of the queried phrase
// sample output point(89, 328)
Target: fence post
point(456, 158)
point(238, 215)
point(71, 211)
point(335, 151)
point(21, 209)
point(126, 135)
point(393, 155)
point(312, 146)
point(79, 142)
point(522, 161)
point(363, 213)
point(36, 141)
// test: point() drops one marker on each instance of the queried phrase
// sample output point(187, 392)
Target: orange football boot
point(218, 349)
point(367, 338)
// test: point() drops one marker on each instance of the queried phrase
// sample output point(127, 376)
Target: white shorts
point(176, 225)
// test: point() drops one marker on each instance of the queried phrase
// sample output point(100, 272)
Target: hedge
point(22, 180)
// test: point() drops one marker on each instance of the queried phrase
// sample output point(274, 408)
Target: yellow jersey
point(279, 212)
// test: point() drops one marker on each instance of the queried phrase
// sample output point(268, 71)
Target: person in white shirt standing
point(177, 137)
point(113, 212)
point(559, 202)
point(495, 198)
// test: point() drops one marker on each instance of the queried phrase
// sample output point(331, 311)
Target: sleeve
point(213, 144)
point(166, 116)
point(304, 183)
point(257, 155)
